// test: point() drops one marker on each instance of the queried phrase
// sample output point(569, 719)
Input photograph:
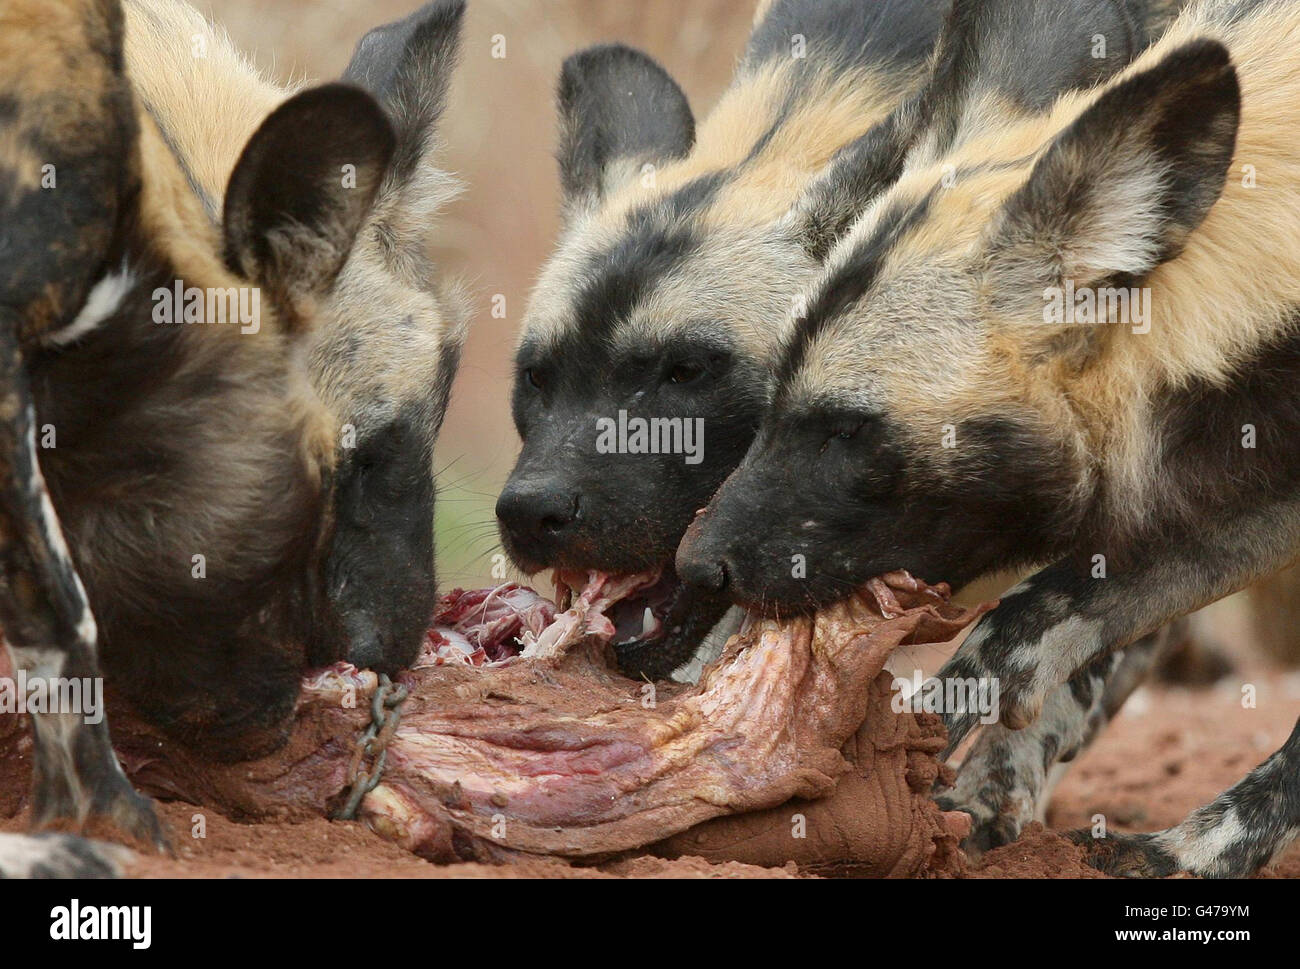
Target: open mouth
point(484, 627)
point(652, 622)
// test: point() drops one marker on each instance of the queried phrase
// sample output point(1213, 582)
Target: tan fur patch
point(924, 345)
point(177, 58)
point(388, 324)
point(830, 113)
point(174, 221)
point(741, 278)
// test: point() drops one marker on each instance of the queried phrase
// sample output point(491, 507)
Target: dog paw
point(116, 812)
point(59, 856)
point(124, 814)
point(997, 818)
point(1126, 855)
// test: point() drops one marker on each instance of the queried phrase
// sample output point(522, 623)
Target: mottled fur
point(677, 260)
point(939, 422)
point(176, 529)
point(389, 332)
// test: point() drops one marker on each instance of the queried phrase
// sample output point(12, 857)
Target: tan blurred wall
point(499, 133)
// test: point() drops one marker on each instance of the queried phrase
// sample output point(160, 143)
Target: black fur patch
point(849, 32)
point(380, 573)
point(408, 66)
point(859, 172)
point(658, 239)
point(1205, 429)
point(839, 293)
point(615, 102)
point(1028, 51)
point(633, 508)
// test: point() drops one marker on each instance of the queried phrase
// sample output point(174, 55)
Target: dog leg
point(1232, 837)
point(70, 111)
point(1007, 778)
point(51, 632)
point(1063, 619)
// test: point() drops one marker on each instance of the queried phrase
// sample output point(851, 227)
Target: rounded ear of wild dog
point(302, 190)
point(1120, 191)
point(408, 65)
point(68, 159)
point(619, 110)
point(863, 169)
point(1018, 51)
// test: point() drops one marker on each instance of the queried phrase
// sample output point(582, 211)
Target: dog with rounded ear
point(664, 298)
point(292, 236)
point(389, 330)
point(685, 247)
point(937, 413)
point(177, 537)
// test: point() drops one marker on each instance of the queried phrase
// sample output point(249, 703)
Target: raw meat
point(517, 737)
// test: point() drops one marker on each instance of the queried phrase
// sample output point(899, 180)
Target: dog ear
point(1024, 52)
point(303, 188)
point(408, 65)
point(619, 110)
point(69, 167)
point(1120, 190)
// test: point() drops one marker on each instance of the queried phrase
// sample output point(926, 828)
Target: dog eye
point(845, 432)
point(536, 378)
point(685, 373)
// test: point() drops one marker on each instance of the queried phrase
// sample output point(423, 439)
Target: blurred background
point(499, 134)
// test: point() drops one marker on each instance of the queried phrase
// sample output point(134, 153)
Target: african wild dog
point(1001, 60)
point(663, 298)
point(673, 260)
point(175, 525)
point(389, 335)
point(1154, 468)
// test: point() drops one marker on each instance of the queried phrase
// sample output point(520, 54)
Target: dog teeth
point(648, 622)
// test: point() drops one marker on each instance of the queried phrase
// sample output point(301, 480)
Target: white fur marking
point(20, 855)
point(1199, 849)
point(87, 631)
point(102, 302)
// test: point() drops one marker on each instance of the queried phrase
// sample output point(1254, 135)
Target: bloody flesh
point(518, 738)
